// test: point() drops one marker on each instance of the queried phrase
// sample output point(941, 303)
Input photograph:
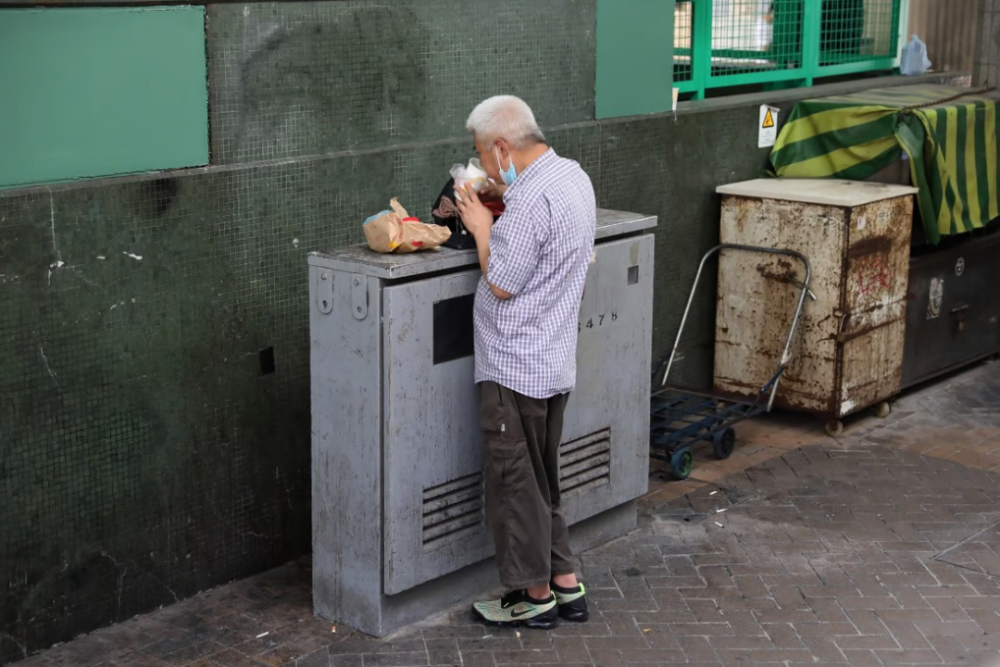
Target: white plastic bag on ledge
point(913, 60)
point(473, 175)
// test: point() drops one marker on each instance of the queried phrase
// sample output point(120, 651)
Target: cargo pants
point(521, 438)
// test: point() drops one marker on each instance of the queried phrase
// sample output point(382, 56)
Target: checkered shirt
point(539, 252)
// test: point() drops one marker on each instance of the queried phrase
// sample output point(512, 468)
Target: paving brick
point(909, 657)
point(862, 658)
point(727, 605)
point(591, 629)
point(645, 655)
point(570, 650)
point(489, 644)
point(824, 650)
point(607, 658)
point(443, 652)
point(724, 643)
point(478, 659)
point(406, 659)
point(783, 636)
point(950, 649)
point(869, 603)
point(525, 657)
point(623, 625)
point(779, 655)
point(346, 660)
point(233, 658)
point(927, 615)
point(659, 637)
point(320, 658)
point(907, 634)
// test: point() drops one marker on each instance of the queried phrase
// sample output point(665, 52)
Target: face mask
point(508, 176)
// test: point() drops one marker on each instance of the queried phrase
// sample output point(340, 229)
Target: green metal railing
point(780, 43)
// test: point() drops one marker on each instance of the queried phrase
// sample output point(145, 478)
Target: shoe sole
point(533, 623)
point(575, 616)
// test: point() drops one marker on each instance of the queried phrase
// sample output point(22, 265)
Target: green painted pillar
point(101, 91)
point(635, 57)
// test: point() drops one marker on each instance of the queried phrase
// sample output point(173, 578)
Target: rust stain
point(848, 337)
point(874, 382)
point(732, 382)
point(788, 276)
point(870, 246)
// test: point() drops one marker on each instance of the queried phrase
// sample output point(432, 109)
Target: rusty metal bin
point(849, 354)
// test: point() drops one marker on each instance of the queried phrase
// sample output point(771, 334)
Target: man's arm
point(483, 250)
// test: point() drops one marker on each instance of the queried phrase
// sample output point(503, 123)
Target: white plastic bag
point(472, 175)
point(913, 60)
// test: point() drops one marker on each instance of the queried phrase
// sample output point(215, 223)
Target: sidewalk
point(879, 548)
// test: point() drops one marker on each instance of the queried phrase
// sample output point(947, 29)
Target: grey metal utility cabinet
point(399, 529)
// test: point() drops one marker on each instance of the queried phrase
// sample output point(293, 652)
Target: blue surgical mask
point(508, 176)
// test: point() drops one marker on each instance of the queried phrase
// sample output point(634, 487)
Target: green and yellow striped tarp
point(948, 133)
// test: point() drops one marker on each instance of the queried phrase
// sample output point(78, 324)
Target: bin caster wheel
point(723, 443)
point(883, 410)
point(681, 462)
point(835, 428)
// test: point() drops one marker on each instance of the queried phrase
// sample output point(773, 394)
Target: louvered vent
point(585, 464)
point(453, 511)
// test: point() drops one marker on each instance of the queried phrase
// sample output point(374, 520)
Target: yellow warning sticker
point(767, 126)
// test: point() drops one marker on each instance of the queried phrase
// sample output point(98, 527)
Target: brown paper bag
point(395, 231)
point(383, 230)
point(419, 236)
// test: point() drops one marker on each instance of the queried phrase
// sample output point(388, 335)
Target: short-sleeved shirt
point(540, 249)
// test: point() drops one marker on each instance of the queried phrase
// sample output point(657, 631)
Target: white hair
point(505, 117)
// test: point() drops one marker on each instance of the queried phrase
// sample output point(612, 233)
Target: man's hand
point(479, 221)
point(475, 216)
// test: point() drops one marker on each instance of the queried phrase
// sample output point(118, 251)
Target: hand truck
point(680, 418)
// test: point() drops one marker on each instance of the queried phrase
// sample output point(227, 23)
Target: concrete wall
point(949, 29)
point(146, 451)
point(987, 71)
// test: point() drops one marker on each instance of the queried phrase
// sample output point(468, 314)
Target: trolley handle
point(803, 292)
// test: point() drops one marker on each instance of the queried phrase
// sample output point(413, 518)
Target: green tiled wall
point(146, 454)
point(291, 79)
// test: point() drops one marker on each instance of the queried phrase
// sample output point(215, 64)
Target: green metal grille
point(683, 39)
point(721, 43)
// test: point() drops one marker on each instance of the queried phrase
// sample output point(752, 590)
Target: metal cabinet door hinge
point(324, 292)
point(359, 297)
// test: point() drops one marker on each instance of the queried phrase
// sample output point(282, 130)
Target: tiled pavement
point(880, 548)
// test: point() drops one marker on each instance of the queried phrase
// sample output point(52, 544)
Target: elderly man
point(534, 262)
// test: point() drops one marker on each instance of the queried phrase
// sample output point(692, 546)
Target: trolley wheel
point(681, 462)
point(883, 410)
point(723, 443)
point(835, 428)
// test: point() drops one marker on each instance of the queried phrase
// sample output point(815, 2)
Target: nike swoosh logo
point(515, 614)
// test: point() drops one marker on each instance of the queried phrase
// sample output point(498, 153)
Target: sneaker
point(572, 603)
point(517, 609)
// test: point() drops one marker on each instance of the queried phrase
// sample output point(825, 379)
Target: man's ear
point(504, 148)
